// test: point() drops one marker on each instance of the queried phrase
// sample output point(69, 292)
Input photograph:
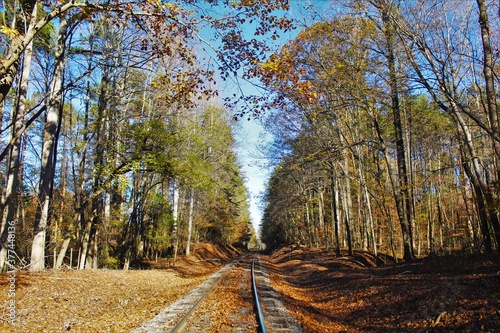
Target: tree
point(346, 96)
point(402, 192)
point(136, 63)
point(49, 154)
point(442, 68)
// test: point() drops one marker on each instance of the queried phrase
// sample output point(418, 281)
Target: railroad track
point(238, 298)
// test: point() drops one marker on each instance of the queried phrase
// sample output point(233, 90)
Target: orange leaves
point(307, 91)
point(284, 73)
point(184, 87)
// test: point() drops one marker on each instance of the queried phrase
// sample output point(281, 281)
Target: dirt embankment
point(351, 294)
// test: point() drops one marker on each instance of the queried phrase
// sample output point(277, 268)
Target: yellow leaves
point(155, 83)
point(282, 71)
point(273, 64)
point(172, 7)
point(269, 66)
point(10, 33)
point(242, 3)
point(312, 32)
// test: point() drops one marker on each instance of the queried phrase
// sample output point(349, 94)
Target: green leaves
point(149, 146)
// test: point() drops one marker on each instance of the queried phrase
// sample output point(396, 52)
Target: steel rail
point(260, 315)
point(182, 323)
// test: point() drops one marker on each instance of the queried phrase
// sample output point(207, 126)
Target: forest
point(116, 146)
point(117, 139)
point(386, 119)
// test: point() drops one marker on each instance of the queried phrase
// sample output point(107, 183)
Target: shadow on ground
point(352, 294)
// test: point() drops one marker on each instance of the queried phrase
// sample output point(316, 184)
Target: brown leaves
point(90, 301)
point(103, 300)
point(432, 295)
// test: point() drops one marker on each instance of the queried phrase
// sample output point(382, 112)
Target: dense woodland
point(386, 114)
point(115, 145)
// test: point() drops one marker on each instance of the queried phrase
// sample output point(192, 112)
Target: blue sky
point(250, 133)
point(249, 136)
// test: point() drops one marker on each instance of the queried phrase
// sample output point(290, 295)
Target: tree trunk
point(404, 209)
point(175, 216)
point(9, 198)
point(335, 212)
point(97, 205)
point(491, 105)
point(480, 206)
point(62, 252)
point(49, 154)
point(485, 203)
point(347, 203)
point(308, 223)
point(85, 246)
point(369, 212)
point(488, 69)
point(322, 225)
point(430, 225)
point(79, 179)
point(190, 221)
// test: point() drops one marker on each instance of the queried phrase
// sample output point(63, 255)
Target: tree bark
point(335, 211)
point(175, 217)
point(491, 102)
point(9, 198)
point(62, 252)
point(49, 155)
point(404, 202)
point(369, 214)
point(190, 221)
point(347, 203)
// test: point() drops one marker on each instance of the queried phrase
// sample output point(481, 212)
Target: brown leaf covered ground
point(352, 294)
point(103, 300)
point(327, 294)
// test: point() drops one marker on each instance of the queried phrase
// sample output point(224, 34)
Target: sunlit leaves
point(325, 61)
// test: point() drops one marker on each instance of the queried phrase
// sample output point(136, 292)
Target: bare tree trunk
point(175, 216)
point(491, 104)
point(485, 205)
point(190, 221)
point(430, 225)
point(369, 209)
point(314, 228)
point(404, 209)
point(480, 206)
point(84, 249)
point(62, 252)
point(322, 225)
point(347, 201)
point(9, 197)
point(49, 155)
point(308, 224)
point(335, 211)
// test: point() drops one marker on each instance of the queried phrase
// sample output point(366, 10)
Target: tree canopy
point(115, 144)
point(383, 114)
